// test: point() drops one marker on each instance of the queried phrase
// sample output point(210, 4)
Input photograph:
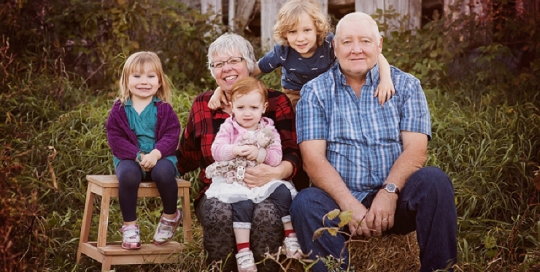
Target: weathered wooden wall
point(270, 8)
point(241, 13)
point(465, 7)
point(411, 7)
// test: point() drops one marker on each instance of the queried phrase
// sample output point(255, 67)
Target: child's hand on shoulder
point(385, 91)
point(217, 100)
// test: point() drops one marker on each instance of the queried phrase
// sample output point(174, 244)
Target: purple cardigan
point(123, 141)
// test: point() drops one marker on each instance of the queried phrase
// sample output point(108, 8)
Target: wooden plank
point(211, 5)
point(323, 5)
point(113, 249)
point(412, 8)
point(232, 15)
point(415, 10)
point(111, 181)
point(241, 12)
point(466, 7)
point(369, 7)
point(401, 7)
point(269, 12)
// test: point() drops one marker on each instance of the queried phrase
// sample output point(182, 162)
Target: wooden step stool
point(112, 253)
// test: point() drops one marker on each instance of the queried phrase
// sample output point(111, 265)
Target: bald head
point(357, 45)
point(356, 19)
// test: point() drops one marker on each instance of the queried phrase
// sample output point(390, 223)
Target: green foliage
point(93, 38)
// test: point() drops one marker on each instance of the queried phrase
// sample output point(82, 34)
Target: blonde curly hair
point(288, 18)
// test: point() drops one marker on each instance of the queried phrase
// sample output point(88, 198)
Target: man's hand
point(380, 216)
point(357, 225)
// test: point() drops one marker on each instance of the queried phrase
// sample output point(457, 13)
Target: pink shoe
point(291, 248)
point(130, 237)
point(166, 229)
point(245, 262)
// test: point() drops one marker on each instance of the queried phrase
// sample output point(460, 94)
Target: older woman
point(231, 58)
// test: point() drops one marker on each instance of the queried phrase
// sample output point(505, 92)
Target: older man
point(369, 159)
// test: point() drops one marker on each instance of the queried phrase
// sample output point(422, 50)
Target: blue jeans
point(425, 204)
point(281, 197)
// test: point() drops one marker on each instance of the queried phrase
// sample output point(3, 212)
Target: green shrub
point(93, 38)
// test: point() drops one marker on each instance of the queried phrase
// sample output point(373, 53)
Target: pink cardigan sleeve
point(224, 142)
point(274, 153)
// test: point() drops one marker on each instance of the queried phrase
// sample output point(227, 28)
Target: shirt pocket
point(380, 125)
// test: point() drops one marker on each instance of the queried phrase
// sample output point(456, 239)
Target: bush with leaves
point(93, 38)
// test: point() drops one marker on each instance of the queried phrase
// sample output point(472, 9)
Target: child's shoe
point(245, 262)
point(130, 237)
point(291, 248)
point(166, 229)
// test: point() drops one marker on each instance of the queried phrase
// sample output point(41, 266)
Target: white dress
point(234, 192)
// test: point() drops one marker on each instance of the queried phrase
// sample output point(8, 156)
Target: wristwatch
point(391, 188)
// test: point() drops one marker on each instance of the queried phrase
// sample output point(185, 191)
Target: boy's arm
point(257, 71)
point(385, 90)
point(217, 99)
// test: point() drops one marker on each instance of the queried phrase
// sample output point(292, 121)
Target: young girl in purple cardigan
point(143, 132)
point(244, 140)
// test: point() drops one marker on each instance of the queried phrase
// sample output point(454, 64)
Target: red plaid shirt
point(203, 124)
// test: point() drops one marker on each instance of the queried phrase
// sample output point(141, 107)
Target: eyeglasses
point(230, 61)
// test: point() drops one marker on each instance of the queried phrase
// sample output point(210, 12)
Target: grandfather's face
point(356, 47)
point(230, 69)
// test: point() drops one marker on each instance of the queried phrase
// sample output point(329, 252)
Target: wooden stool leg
point(104, 218)
point(106, 264)
point(87, 219)
point(187, 216)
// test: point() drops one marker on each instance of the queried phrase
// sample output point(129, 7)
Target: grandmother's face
point(229, 69)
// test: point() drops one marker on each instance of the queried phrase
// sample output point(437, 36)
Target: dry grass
point(387, 253)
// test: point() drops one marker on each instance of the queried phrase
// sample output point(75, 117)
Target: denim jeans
point(425, 204)
point(281, 197)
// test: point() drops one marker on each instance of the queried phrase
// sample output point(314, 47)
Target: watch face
point(390, 187)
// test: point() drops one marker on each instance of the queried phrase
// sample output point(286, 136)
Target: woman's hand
point(260, 175)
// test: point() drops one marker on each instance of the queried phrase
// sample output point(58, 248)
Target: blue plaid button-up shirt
point(363, 138)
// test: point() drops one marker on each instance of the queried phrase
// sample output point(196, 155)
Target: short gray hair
point(360, 16)
point(229, 44)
